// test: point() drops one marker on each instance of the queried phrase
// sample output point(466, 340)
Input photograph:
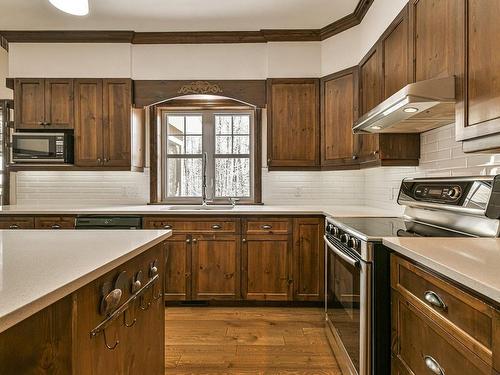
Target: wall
point(441, 156)
point(5, 93)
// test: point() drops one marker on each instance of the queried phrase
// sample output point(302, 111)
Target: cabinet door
point(216, 267)
point(479, 114)
point(178, 268)
point(437, 37)
point(293, 123)
point(395, 55)
point(266, 268)
point(308, 259)
point(59, 103)
point(339, 103)
point(55, 222)
point(30, 103)
point(117, 105)
point(88, 122)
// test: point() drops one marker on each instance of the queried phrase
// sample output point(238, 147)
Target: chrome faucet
point(204, 199)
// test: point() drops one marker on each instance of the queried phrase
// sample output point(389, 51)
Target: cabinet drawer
point(55, 222)
point(16, 223)
point(267, 226)
point(209, 225)
point(470, 319)
point(420, 343)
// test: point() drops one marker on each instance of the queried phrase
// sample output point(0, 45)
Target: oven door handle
point(353, 262)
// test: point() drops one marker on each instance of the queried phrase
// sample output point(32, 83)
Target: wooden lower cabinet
point(17, 222)
point(178, 268)
point(215, 267)
point(308, 259)
point(266, 267)
point(453, 332)
point(55, 222)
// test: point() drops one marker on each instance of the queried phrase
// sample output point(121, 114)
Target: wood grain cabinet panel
point(293, 123)
point(14, 222)
point(263, 225)
point(59, 106)
point(194, 224)
point(30, 103)
point(178, 273)
point(216, 267)
point(308, 259)
point(478, 114)
point(54, 222)
point(266, 268)
point(88, 123)
point(117, 106)
point(339, 99)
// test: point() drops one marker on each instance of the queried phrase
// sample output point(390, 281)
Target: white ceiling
point(176, 15)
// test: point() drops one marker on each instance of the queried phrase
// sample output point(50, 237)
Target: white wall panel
point(75, 60)
point(5, 93)
point(294, 60)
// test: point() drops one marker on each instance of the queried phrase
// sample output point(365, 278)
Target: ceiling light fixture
point(74, 7)
point(410, 110)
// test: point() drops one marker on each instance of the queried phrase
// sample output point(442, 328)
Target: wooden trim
point(257, 157)
point(187, 37)
point(348, 21)
point(6, 105)
point(9, 83)
point(152, 92)
point(153, 156)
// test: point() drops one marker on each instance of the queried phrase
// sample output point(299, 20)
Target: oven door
point(348, 306)
point(36, 147)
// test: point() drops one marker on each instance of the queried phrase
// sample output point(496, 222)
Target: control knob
point(353, 243)
point(344, 238)
point(454, 193)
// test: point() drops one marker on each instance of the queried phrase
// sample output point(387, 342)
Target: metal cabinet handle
point(433, 365)
point(243, 240)
point(168, 226)
point(99, 161)
point(354, 157)
point(13, 226)
point(105, 160)
point(375, 153)
point(435, 300)
point(188, 240)
point(56, 226)
point(195, 240)
point(216, 226)
point(266, 226)
point(352, 261)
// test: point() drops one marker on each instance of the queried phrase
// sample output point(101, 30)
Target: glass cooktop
point(374, 228)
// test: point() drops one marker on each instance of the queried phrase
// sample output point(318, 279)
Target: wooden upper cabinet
point(44, 103)
point(370, 81)
point(293, 123)
point(395, 55)
point(88, 123)
point(59, 106)
point(339, 103)
point(30, 103)
point(102, 126)
point(437, 37)
point(478, 115)
point(117, 106)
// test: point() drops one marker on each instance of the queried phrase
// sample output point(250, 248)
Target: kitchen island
point(81, 302)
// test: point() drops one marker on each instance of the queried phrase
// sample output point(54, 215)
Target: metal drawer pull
point(216, 226)
point(167, 226)
point(266, 226)
point(433, 365)
point(434, 300)
point(56, 226)
point(13, 226)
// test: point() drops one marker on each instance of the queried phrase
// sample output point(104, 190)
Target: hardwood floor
point(235, 340)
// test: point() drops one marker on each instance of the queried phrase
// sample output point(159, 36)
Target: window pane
point(222, 124)
point(232, 177)
point(241, 124)
point(193, 145)
point(184, 177)
point(175, 145)
point(241, 144)
point(223, 145)
point(194, 125)
point(175, 125)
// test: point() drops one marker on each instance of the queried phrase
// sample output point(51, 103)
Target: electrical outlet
point(298, 191)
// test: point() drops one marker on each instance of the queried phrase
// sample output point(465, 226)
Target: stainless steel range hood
point(416, 108)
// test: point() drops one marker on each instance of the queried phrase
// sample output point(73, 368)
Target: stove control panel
point(342, 237)
point(446, 193)
point(441, 192)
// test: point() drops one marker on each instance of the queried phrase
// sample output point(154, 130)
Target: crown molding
point(187, 37)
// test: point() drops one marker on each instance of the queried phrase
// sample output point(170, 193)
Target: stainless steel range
point(357, 298)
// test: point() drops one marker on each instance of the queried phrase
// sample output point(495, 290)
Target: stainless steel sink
point(190, 207)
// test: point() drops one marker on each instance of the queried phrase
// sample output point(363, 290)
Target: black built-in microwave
point(27, 147)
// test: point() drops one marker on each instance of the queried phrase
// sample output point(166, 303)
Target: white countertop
point(472, 262)
point(39, 267)
point(338, 211)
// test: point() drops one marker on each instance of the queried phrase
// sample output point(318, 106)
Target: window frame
point(208, 145)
